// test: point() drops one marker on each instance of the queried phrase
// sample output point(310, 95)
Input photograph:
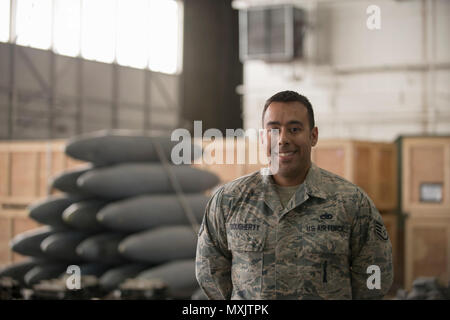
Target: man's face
point(295, 138)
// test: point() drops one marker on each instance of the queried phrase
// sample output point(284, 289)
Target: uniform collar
point(313, 182)
point(311, 187)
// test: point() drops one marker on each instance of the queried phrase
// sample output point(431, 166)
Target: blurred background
point(376, 72)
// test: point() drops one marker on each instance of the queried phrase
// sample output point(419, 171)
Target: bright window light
point(164, 37)
point(4, 20)
point(34, 23)
point(139, 33)
point(132, 33)
point(67, 27)
point(98, 28)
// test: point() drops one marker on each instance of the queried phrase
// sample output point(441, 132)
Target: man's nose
point(283, 138)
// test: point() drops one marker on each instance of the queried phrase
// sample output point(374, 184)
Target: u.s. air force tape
point(381, 231)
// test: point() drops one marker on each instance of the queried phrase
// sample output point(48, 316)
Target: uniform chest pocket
point(329, 244)
point(246, 243)
point(324, 268)
point(245, 237)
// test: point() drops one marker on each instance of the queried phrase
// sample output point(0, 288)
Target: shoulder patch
point(381, 231)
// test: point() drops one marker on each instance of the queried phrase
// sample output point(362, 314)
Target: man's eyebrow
point(295, 122)
point(289, 122)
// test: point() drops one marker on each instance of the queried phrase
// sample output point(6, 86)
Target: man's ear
point(314, 136)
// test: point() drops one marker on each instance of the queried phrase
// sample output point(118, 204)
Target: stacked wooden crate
point(25, 170)
point(370, 165)
point(425, 203)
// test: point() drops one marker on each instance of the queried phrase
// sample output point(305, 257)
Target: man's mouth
point(286, 154)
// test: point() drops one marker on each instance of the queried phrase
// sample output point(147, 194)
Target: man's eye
point(295, 130)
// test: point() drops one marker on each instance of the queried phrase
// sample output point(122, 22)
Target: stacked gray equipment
point(120, 217)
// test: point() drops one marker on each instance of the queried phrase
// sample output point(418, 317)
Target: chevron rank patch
point(381, 231)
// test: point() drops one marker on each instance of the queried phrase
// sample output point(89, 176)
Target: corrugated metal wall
point(44, 95)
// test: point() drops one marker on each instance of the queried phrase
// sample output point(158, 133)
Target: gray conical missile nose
point(67, 180)
point(88, 250)
point(28, 243)
point(82, 147)
point(82, 215)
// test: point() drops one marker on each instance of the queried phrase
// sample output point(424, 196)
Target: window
point(34, 23)
point(4, 20)
point(67, 27)
point(133, 33)
point(97, 30)
point(164, 37)
point(139, 33)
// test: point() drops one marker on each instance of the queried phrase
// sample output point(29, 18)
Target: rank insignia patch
point(381, 231)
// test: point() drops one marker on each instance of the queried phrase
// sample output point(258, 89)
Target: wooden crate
point(370, 165)
point(425, 162)
point(26, 168)
point(13, 222)
point(427, 248)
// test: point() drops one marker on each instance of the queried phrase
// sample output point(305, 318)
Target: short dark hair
point(291, 96)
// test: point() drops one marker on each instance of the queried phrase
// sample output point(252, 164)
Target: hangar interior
point(87, 85)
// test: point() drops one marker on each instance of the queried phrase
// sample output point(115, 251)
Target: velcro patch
point(381, 231)
point(326, 216)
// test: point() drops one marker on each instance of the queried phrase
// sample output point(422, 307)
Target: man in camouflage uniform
point(302, 233)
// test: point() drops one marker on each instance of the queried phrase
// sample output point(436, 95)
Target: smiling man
point(301, 233)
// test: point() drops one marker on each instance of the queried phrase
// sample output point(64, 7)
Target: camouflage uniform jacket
point(318, 247)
